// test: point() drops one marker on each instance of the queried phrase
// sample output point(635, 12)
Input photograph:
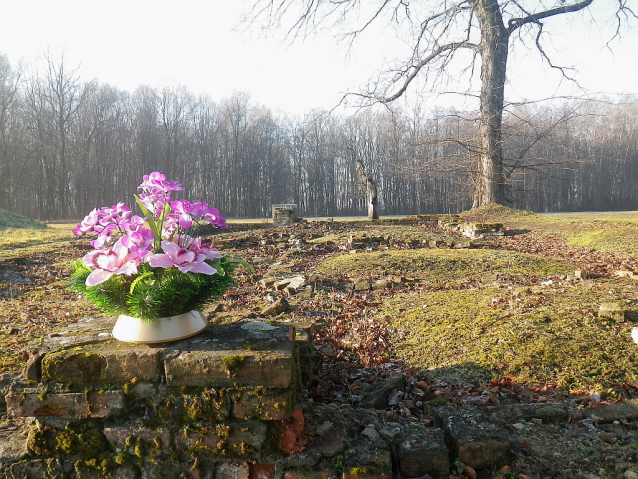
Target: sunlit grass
point(16, 242)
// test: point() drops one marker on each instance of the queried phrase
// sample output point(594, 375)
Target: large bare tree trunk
point(490, 182)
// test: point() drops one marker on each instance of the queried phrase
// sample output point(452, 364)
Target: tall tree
point(437, 32)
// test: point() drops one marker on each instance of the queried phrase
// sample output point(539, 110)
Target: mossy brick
point(107, 364)
point(475, 442)
point(140, 441)
point(421, 451)
point(61, 405)
point(204, 405)
point(231, 368)
point(262, 403)
point(223, 440)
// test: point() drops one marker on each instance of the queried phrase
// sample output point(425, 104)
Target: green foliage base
point(155, 293)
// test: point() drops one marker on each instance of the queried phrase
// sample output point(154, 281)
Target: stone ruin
point(88, 406)
point(230, 403)
point(284, 215)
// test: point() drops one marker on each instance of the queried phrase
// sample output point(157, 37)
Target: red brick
point(65, 405)
point(293, 438)
point(261, 471)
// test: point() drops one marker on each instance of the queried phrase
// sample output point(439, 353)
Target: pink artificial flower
point(87, 224)
point(183, 259)
point(204, 248)
point(116, 260)
point(134, 224)
point(183, 210)
point(157, 181)
point(116, 214)
point(139, 242)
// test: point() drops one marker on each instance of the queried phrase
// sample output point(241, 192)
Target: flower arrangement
point(155, 271)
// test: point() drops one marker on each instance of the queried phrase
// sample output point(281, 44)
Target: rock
point(361, 285)
point(549, 413)
point(388, 432)
point(371, 433)
point(324, 428)
point(276, 308)
point(422, 450)
point(476, 442)
point(375, 395)
point(621, 411)
point(267, 282)
point(613, 311)
point(630, 475)
point(13, 445)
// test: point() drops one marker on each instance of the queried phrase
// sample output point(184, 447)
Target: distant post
point(284, 215)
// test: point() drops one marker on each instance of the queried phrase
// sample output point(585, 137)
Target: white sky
point(198, 43)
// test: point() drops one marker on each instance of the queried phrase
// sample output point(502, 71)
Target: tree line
point(68, 145)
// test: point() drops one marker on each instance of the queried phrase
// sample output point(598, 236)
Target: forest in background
point(68, 145)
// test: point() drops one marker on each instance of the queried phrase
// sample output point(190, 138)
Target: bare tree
point(437, 32)
point(372, 200)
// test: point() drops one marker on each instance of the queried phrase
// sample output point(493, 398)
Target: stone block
point(310, 475)
point(422, 450)
point(613, 311)
point(476, 442)
point(347, 475)
point(105, 403)
point(621, 411)
point(91, 470)
point(169, 470)
point(262, 403)
point(61, 405)
point(104, 364)
point(549, 413)
point(36, 469)
point(13, 444)
point(231, 368)
point(139, 440)
point(232, 470)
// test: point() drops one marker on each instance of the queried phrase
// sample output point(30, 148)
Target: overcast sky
point(203, 45)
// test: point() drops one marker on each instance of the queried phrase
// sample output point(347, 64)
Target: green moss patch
point(535, 335)
point(9, 219)
point(443, 265)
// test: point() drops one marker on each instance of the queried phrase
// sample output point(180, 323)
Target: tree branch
point(515, 23)
point(450, 47)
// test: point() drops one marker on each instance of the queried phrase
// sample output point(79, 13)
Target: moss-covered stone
point(84, 439)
